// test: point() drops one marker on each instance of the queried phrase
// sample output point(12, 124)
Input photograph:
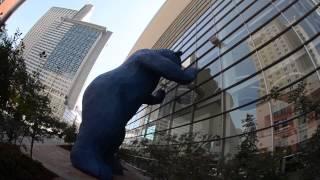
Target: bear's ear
point(178, 53)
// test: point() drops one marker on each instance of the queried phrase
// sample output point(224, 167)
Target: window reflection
point(257, 6)
point(314, 50)
point(240, 71)
point(260, 112)
point(289, 70)
point(289, 134)
point(263, 17)
point(211, 128)
point(216, 100)
point(209, 57)
point(180, 131)
point(297, 10)
point(246, 92)
point(309, 26)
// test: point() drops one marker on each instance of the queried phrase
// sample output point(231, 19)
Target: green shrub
point(15, 165)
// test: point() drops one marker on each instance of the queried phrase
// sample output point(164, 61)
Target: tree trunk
point(21, 141)
point(32, 142)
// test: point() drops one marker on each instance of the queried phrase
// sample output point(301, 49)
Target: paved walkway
point(56, 159)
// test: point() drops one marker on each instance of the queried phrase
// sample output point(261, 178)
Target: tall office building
point(244, 49)
point(7, 7)
point(63, 49)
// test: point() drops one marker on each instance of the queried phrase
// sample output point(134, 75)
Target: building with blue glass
point(244, 49)
point(63, 48)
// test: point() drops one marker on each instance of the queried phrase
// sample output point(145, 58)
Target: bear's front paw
point(191, 74)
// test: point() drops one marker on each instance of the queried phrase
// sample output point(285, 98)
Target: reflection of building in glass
point(63, 49)
point(244, 49)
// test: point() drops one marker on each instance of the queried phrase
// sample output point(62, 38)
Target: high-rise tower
point(63, 49)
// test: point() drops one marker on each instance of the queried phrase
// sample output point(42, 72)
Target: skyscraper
point(63, 49)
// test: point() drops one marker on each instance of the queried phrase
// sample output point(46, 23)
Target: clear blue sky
point(125, 18)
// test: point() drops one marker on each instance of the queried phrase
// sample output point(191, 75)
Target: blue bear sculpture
point(112, 99)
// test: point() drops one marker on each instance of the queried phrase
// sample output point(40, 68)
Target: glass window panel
point(263, 120)
point(279, 47)
point(212, 129)
point(223, 33)
point(162, 124)
point(208, 34)
point(237, 53)
point(133, 125)
point(181, 117)
point(154, 112)
point(188, 61)
point(245, 92)
point(222, 6)
point(165, 110)
point(203, 28)
point(314, 50)
point(143, 112)
point(261, 18)
point(180, 131)
point(208, 108)
point(290, 133)
point(161, 138)
point(308, 27)
point(260, 114)
point(297, 10)
point(189, 46)
point(241, 71)
point(233, 38)
point(150, 131)
point(177, 45)
point(134, 134)
point(264, 143)
point(226, 9)
point(231, 147)
point(210, 70)
point(189, 52)
point(243, 5)
point(269, 31)
point(210, 87)
point(289, 70)
point(211, 55)
point(254, 8)
point(186, 97)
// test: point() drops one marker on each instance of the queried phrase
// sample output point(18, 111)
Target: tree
point(250, 163)
point(182, 159)
point(70, 133)
point(24, 105)
point(13, 77)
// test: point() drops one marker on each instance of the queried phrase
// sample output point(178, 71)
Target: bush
point(15, 165)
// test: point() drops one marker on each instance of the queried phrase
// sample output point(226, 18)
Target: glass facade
point(69, 53)
point(244, 49)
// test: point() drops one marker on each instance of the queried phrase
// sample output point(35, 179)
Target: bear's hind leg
point(88, 162)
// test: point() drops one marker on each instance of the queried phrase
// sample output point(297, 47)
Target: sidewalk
point(56, 159)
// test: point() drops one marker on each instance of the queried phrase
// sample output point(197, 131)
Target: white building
point(63, 49)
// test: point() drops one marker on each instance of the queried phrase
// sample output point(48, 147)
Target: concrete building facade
point(63, 49)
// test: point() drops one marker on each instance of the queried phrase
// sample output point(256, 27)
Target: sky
point(125, 18)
